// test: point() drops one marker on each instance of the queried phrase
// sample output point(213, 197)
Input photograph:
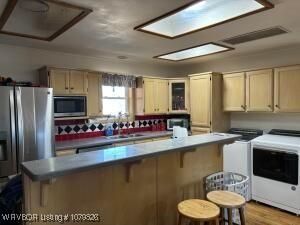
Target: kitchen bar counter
point(46, 169)
point(100, 141)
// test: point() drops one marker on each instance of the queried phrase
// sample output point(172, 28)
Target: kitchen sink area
point(125, 136)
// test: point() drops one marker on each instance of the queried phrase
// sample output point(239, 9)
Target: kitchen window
point(115, 100)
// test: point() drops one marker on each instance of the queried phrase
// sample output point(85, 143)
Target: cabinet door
point(200, 93)
point(94, 97)
point(259, 94)
point(162, 96)
point(234, 92)
point(199, 130)
point(78, 82)
point(178, 100)
point(287, 94)
point(65, 152)
point(149, 96)
point(59, 81)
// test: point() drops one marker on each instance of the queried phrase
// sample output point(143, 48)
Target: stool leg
point(242, 216)
point(217, 221)
point(229, 211)
point(179, 219)
point(221, 221)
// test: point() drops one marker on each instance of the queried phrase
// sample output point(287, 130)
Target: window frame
point(127, 102)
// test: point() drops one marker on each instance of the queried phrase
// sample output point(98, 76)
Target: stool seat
point(226, 199)
point(199, 210)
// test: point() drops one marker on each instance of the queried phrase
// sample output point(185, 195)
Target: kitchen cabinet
point(178, 96)
point(151, 96)
point(162, 96)
point(286, 89)
point(65, 152)
point(64, 81)
point(149, 93)
point(259, 91)
point(234, 92)
point(78, 82)
point(199, 130)
point(206, 103)
point(200, 98)
point(59, 81)
point(94, 96)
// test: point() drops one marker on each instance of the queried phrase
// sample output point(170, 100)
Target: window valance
point(111, 79)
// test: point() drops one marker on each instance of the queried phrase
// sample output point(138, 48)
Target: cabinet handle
point(242, 106)
point(157, 109)
point(66, 88)
point(269, 106)
point(72, 88)
point(277, 106)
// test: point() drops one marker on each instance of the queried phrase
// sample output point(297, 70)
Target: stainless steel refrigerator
point(26, 126)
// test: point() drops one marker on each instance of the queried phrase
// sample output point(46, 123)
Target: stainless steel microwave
point(69, 106)
point(181, 122)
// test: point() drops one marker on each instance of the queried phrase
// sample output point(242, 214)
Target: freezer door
point(8, 165)
point(35, 123)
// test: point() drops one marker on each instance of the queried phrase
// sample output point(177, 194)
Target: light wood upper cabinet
point(59, 81)
point(200, 99)
point(64, 81)
point(152, 96)
point(286, 89)
point(162, 96)
point(178, 96)
point(234, 92)
point(78, 82)
point(149, 96)
point(259, 90)
point(94, 97)
point(206, 104)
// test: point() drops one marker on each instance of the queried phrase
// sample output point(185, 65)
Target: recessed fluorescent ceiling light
point(197, 51)
point(202, 14)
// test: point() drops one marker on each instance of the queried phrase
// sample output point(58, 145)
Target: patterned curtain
point(110, 79)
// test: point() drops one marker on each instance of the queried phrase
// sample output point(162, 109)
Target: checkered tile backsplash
point(96, 127)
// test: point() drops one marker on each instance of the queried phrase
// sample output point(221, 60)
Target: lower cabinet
point(200, 130)
point(65, 152)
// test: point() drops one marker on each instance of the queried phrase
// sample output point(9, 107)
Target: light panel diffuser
point(201, 14)
point(193, 52)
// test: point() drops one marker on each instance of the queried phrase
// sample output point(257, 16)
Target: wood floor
point(259, 214)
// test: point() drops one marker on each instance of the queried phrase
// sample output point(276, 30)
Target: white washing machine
point(237, 156)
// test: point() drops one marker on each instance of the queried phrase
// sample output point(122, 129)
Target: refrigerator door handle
point(13, 129)
point(21, 149)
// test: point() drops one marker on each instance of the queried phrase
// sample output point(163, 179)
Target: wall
point(21, 63)
point(267, 59)
point(274, 58)
point(266, 121)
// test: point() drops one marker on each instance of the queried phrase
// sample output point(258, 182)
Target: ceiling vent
point(252, 36)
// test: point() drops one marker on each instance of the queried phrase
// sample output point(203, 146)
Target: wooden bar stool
point(197, 211)
point(228, 200)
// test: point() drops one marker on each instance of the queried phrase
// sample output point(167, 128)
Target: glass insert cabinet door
point(178, 96)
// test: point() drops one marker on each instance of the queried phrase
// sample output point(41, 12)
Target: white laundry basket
point(228, 181)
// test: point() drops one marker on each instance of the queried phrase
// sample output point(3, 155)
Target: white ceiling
point(108, 31)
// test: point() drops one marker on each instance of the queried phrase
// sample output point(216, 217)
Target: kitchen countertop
point(45, 169)
point(100, 141)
